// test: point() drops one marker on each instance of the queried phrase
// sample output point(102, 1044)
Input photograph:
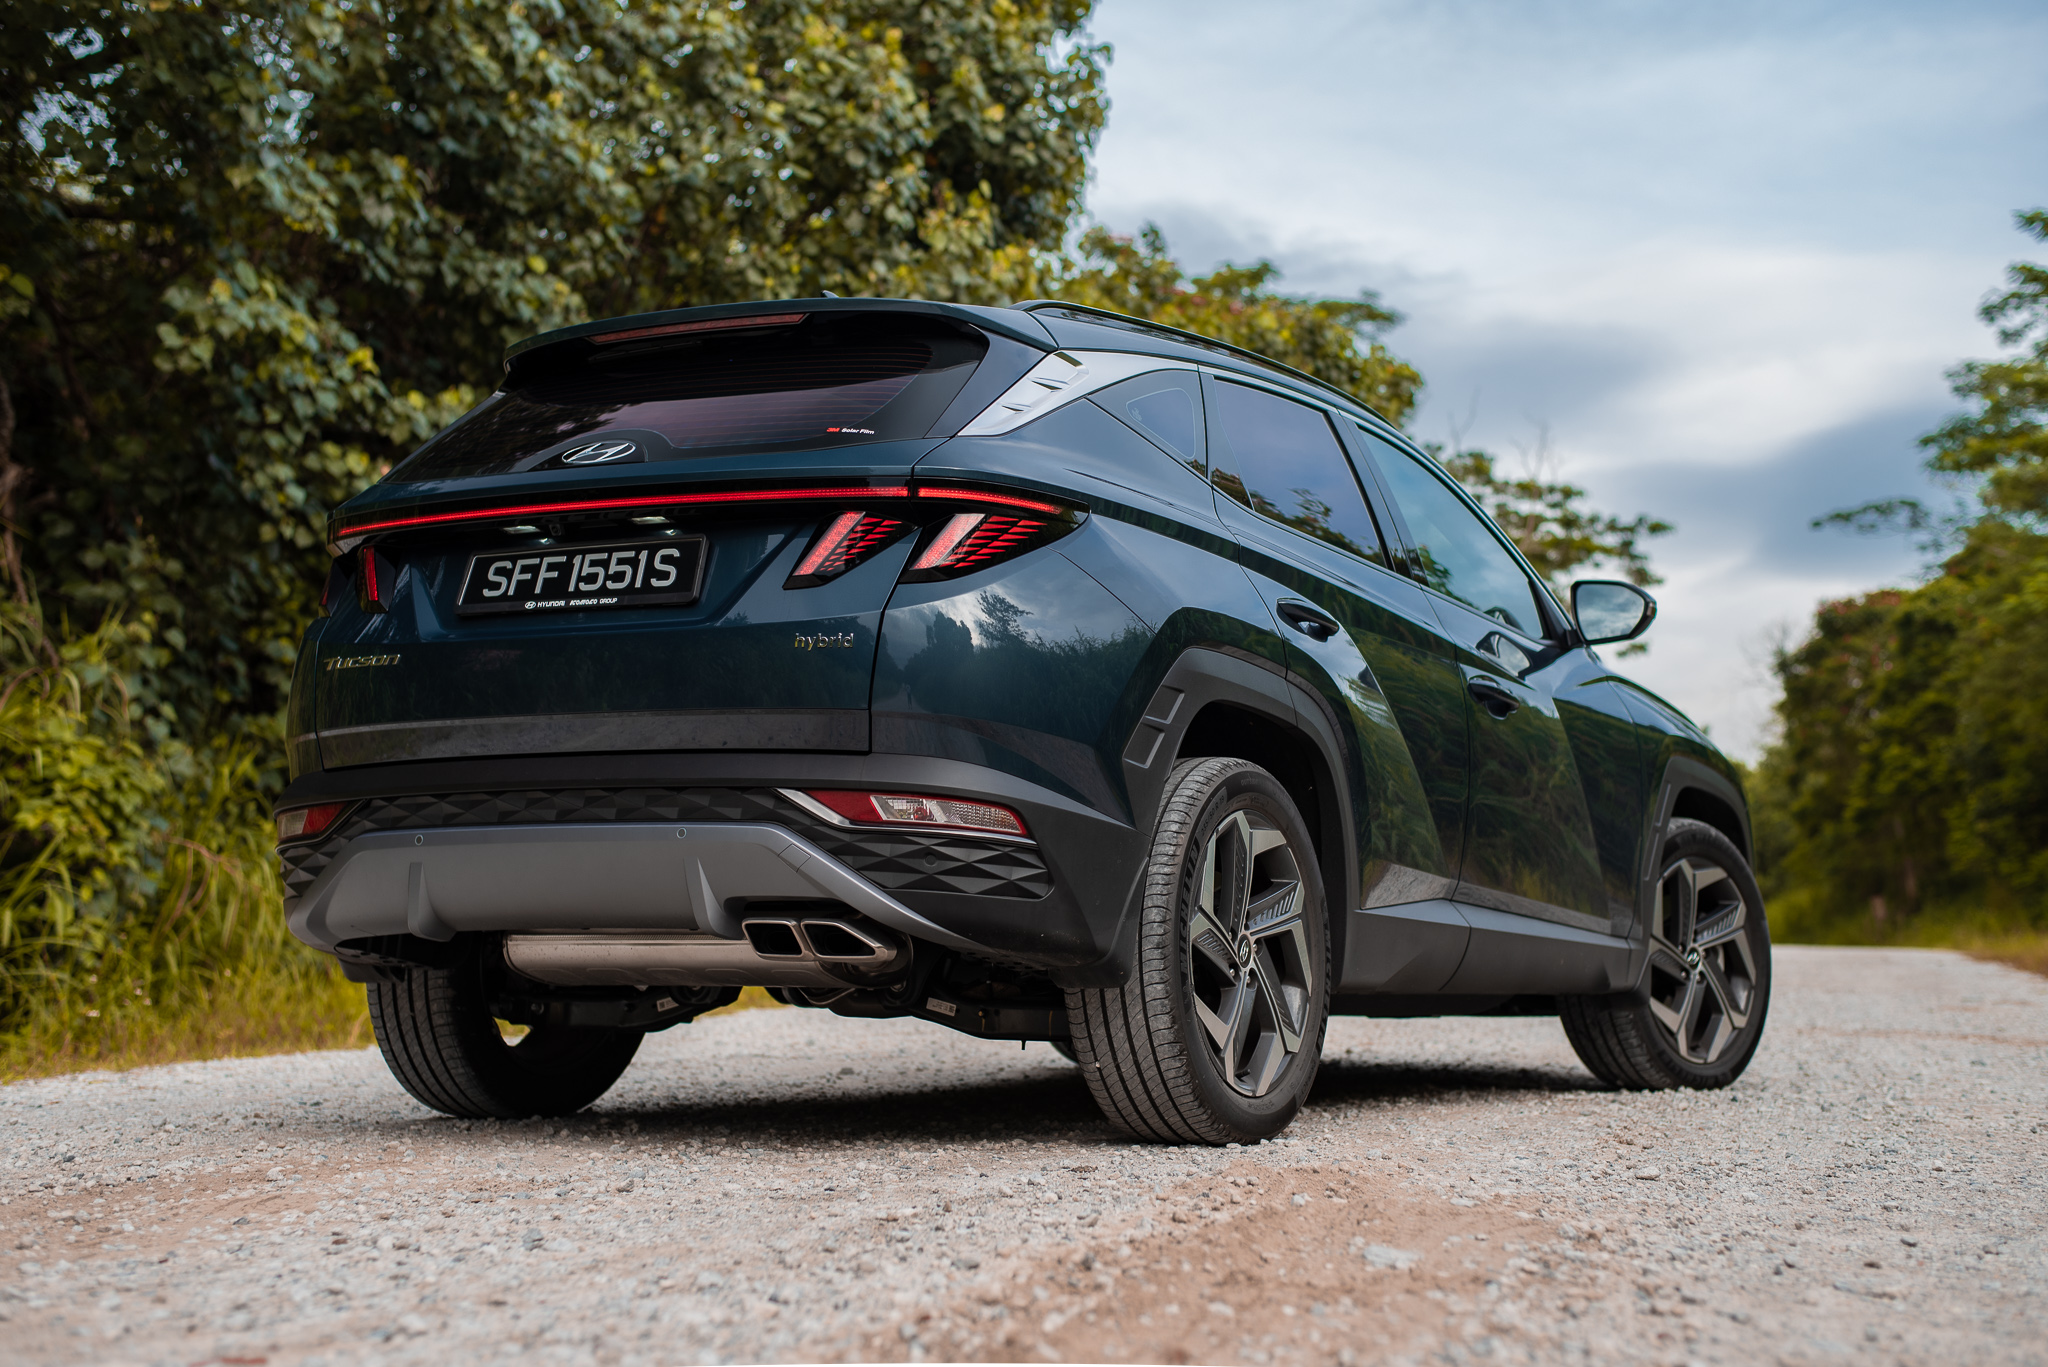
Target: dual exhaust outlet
point(827, 953)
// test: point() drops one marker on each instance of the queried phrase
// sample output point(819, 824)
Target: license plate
point(582, 578)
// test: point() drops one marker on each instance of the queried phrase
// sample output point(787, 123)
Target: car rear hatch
point(669, 535)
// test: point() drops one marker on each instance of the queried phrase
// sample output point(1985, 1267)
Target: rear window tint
point(1290, 467)
point(831, 380)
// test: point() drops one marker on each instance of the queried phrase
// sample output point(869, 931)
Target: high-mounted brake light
point(911, 809)
point(759, 320)
point(846, 540)
point(303, 823)
point(970, 540)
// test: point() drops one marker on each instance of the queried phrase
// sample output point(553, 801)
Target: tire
point(1216, 1036)
point(1708, 980)
point(440, 1041)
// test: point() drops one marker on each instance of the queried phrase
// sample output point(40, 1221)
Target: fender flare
point(1199, 677)
point(1680, 774)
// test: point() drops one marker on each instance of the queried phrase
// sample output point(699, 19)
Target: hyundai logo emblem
point(599, 452)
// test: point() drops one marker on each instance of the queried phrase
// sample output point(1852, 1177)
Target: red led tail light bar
point(947, 494)
point(596, 505)
point(1036, 505)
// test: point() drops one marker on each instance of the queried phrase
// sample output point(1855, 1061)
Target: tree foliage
point(1340, 341)
point(2004, 440)
point(1552, 525)
point(250, 253)
point(253, 252)
point(1335, 340)
point(1912, 769)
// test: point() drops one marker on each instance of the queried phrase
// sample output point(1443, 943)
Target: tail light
point(911, 809)
point(304, 823)
point(375, 576)
point(846, 540)
point(970, 541)
point(335, 584)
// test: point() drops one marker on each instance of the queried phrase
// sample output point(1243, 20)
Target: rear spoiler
point(591, 336)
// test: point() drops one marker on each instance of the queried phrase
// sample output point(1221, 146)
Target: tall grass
point(140, 912)
point(1997, 928)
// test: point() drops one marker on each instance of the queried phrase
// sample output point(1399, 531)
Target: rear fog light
point(303, 823)
point(907, 809)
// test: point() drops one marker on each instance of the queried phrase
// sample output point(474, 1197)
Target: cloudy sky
point(1714, 260)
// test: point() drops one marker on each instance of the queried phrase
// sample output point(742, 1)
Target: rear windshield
point(828, 380)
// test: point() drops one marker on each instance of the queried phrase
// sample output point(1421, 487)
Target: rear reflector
point(969, 541)
point(303, 823)
point(909, 809)
point(847, 540)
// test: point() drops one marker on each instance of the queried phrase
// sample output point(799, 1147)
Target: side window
point(1281, 459)
point(1165, 406)
point(1462, 555)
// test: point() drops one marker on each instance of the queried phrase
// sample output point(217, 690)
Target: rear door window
point(827, 380)
point(1283, 460)
point(1463, 556)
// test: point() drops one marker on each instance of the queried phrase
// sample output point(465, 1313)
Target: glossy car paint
point(1165, 623)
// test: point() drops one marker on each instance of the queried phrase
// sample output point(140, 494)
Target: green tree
point(1335, 340)
point(1552, 525)
point(1911, 773)
point(2004, 441)
point(1341, 342)
point(251, 253)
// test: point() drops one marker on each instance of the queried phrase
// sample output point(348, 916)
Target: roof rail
point(1197, 339)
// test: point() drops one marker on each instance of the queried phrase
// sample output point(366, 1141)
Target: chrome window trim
point(1058, 380)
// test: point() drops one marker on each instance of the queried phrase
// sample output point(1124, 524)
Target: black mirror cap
point(1610, 610)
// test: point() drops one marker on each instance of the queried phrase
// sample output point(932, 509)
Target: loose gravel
point(786, 1185)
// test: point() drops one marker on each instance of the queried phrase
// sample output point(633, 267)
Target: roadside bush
point(138, 892)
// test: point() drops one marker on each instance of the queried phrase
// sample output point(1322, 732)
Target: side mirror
point(1610, 610)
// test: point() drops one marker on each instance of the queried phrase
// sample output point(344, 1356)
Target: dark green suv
point(1037, 672)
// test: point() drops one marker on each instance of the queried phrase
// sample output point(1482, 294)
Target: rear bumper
point(436, 884)
point(590, 842)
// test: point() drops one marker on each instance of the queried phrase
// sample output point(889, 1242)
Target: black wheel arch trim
point(1687, 790)
point(1200, 679)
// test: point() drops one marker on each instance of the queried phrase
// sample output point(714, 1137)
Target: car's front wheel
point(441, 1042)
point(1700, 1012)
point(1216, 1036)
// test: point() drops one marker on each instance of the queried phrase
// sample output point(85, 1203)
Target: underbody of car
point(1036, 672)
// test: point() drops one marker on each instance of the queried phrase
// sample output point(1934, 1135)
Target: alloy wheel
point(1703, 960)
point(1248, 961)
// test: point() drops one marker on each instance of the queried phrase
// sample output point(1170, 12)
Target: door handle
point(1308, 621)
point(1498, 701)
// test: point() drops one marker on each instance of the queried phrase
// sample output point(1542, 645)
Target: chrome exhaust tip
point(826, 953)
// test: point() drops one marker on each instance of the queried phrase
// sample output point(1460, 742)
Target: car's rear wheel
point(440, 1041)
point(1708, 983)
point(1216, 1036)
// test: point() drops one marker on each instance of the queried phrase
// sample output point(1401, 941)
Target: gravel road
point(784, 1185)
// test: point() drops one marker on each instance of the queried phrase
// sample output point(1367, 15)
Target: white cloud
point(1722, 255)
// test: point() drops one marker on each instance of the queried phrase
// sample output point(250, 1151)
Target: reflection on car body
point(1035, 672)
